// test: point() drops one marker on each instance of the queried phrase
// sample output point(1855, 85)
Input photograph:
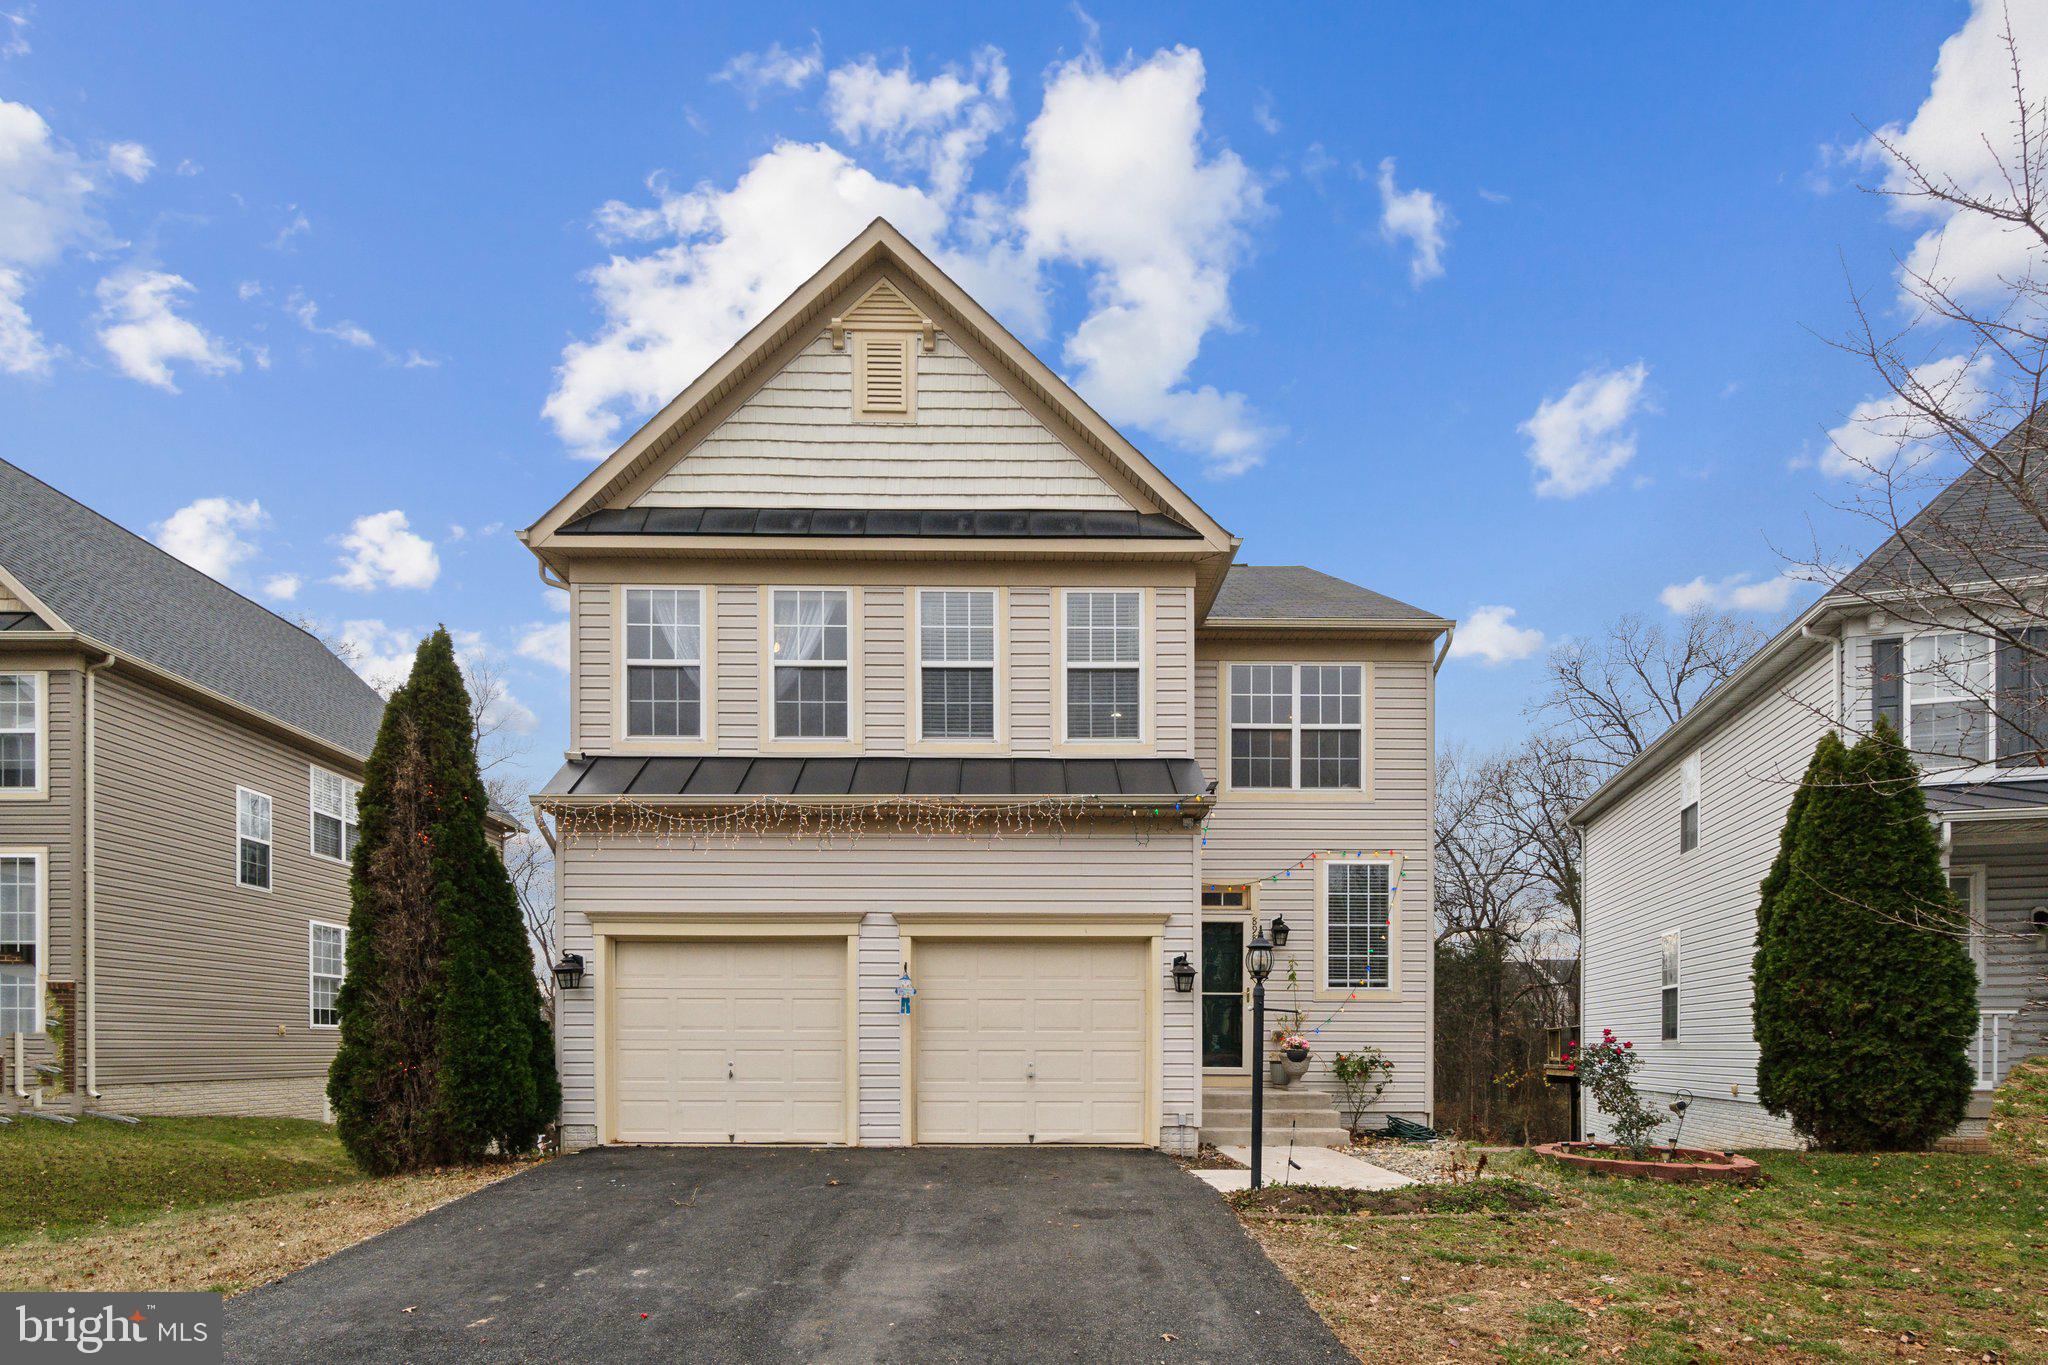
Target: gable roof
point(108, 584)
point(804, 312)
point(1293, 593)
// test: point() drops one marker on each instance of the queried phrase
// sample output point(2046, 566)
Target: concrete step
point(1240, 1135)
point(1240, 1097)
point(1215, 1117)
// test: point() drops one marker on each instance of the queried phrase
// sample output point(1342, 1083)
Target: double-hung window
point(334, 815)
point(957, 663)
point(1948, 688)
point(1668, 975)
point(1105, 664)
point(1358, 922)
point(252, 839)
point(1297, 726)
point(20, 732)
point(810, 646)
point(664, 663)
point(1689, 804)
point(21, 942)
point(327, 959)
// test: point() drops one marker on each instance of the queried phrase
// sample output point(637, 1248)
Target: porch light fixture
point(1280, 931)
point(569, 971)
point(1183, 975)
point(1258, 958)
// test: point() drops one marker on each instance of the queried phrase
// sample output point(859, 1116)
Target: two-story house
point(930, 759)
point(1677, 843)
point(178, 775)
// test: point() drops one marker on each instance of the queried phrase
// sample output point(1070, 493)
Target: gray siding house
point(1677, 843)
point(931, 759)
point(178, 771)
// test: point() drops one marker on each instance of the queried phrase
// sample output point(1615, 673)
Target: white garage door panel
point(1023, 1041)
point(730, 1042)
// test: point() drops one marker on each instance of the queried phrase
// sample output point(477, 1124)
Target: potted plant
point(1293, 1055)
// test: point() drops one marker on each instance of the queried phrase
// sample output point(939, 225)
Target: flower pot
point(1279, 1075)
point(1294, 1063)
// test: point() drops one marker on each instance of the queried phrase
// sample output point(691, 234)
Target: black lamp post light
point(569, 971)
point(1258, 961)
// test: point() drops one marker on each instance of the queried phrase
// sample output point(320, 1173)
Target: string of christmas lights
point(832, 822)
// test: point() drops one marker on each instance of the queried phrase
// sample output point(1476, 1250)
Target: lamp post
point(1258, 960)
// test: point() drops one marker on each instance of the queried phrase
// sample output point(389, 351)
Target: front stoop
point(1973, 1134)
point(1304, 1116)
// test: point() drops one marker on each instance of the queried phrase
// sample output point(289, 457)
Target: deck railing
point(1991, 1051)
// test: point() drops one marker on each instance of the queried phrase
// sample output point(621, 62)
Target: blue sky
point(389, 271)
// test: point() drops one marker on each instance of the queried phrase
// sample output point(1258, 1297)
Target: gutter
point(1450, 634)
point(88, 910)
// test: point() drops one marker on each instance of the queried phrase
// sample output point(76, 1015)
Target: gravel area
point(1429, 1162)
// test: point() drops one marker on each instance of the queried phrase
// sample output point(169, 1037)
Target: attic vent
point(883, 308)
point(882, 375)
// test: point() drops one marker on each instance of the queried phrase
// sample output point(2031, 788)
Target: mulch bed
point(1209, 1159)
point(1483, 1197)
point(1677, 1166)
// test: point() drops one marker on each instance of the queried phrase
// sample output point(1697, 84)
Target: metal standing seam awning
point(1110, 781)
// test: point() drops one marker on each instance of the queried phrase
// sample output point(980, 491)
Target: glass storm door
point(1223, 995)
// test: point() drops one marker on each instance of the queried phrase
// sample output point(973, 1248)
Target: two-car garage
point(1016, 1035)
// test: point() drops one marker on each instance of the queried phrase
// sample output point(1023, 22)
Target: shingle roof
point(879, 521)
point(1292, 592)
point(108, 583)
point(1143, 779)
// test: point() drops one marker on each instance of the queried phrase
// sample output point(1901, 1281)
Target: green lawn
point(1835, 1257)
point(94, 1175)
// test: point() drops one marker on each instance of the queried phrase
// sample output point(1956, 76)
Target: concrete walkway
point(1312, 1166)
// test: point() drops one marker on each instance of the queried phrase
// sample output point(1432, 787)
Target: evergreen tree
point(444, 1053)
point(1865, 996)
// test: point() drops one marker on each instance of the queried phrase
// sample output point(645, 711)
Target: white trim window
point(20, 732)
point(1358, 925)
point(1689, 804)
point(664, 663)
point(956, 656)
point(1105, 664)
point(252, 839)
point(811, 643)
point(1667, 977)
point(1283, 738)
point(21, 943)
point(333, 803)
point(326, 967)
point(1948, 688)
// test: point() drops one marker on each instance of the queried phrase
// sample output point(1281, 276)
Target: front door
point(1223, 995)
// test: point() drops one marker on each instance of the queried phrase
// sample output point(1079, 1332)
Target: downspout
point(547, 575)
point(88, 909)
point(1450, 634)
point(1836, 659)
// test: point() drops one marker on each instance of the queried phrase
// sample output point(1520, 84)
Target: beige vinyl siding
point(55, 824)
point(1098, 867)
point(885, 692)
point(1639, 887)
point(795, 443)
point(1251, 837)
point(201, 979)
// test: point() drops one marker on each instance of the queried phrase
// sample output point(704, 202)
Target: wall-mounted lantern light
point(1183, 975)
point(2041, 924)
point(1279, 931)
point(569, 971)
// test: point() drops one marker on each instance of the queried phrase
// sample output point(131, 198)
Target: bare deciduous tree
point(1607, 699)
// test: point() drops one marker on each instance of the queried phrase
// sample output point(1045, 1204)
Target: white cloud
point(295, 223)
point(1490, 636)
point(1416, 217)
point(1581, 439)
point(130, 161)
point(1885, 435)
point(382, 656)
point(346, 332)
point(207, 534)
point(778, 68)
point(282, 587)
point(45, 191)
point(1117, 181)
point(546, 642)
point(1262, 115)
point(382, 552)
point(22, 349)
point(1958, 135)
point(249, 290)
point(1737, 592)
point(142, 331)
point(415, 361)
point(939, 126)
point(13, 34)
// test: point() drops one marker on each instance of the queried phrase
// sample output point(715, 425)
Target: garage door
point(740, 1041)
point(1030, 1041)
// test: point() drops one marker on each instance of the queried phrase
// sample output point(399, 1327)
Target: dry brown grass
point(232, 1247)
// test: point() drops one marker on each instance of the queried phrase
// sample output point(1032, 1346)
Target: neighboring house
point(178, 775)
point(1677, 843)
point(895, 668)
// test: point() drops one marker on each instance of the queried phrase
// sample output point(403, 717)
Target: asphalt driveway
point(763, 1254)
